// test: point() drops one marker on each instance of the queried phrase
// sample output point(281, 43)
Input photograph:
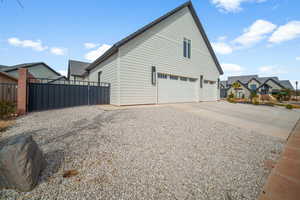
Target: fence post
point(22, 91)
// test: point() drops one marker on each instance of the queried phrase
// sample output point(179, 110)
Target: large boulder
point(21, 162)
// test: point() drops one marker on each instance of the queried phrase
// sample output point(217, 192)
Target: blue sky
point(249, 36)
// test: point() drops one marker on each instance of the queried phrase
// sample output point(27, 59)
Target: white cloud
point(298, 58)
point(222, 48)
point(35, 45)
point(271, 71)
point(286, 32)
point(93, 55)
point(89, 45)
point(232, 5)
point(222, 38)
point(57, 51)
point(231, 67)
point(63, 72)
point(255, 33)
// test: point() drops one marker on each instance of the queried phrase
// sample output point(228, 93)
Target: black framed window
point(187, 48)
point(99, 76)
point(153, 75)
point(201, 81)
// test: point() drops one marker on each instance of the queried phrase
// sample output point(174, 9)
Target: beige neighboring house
point(167, 61)
point(249, 83)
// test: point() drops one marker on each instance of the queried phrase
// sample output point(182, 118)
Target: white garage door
point(210, 91)
point(174, 89)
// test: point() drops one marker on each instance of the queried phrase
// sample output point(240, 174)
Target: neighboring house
point(6, 78)
point(37, 70)
point(169, 60)
point(249, 83)
point(76, 70)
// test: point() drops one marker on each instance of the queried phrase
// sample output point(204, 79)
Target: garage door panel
point(175, 91)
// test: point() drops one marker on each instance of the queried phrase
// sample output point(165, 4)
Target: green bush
point(255, 102)
point(6, 109)
point(231, 96)
point(289, 106)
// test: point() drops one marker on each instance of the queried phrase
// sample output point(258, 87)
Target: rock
point(21, 162)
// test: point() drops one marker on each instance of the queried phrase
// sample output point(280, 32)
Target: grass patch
point(5, 124)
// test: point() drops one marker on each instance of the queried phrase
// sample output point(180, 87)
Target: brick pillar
point(22, 91)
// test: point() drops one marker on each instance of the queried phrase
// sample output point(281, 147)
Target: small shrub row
point(7, 109)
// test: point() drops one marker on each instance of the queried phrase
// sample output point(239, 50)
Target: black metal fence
point(8, 92)
point(46, 94)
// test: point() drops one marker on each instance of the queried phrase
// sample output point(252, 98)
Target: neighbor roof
point(26, 65)
point(76, 68)
point(287, 84)
point(117, 45)
point(242, 79)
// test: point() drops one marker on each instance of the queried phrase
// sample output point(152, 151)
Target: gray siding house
point(38, 70)
point(169, 60)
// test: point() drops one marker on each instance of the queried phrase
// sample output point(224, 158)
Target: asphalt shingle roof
point(77, 68)
point(287, 84)
point(243, 79)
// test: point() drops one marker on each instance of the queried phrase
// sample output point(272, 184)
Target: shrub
point(231, 96)
point(6, 109)
point(269, 104)
point(289, 106)
point(255, 102)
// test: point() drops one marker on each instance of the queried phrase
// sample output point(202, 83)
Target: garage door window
point(183, 78)
point(160, 75)
point(192, 79)
point(174, 77)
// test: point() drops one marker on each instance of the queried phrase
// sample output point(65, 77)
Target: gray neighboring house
point(37, 70)
point(76, 70)
point(249, 83)
point(167, 61)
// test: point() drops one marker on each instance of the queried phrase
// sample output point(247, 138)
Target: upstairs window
point(99, 77)
point(253, 87)
point(187, 46)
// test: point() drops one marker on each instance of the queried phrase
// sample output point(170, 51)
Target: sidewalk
point(284, 180)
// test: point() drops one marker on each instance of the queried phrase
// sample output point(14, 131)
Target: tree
point(236, 86)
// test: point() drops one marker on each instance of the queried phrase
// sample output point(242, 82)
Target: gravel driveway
point(154, 152)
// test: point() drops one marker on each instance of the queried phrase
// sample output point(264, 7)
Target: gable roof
point(117, 45)
point(287, 84)
point(76, 68)
point(273, 80)
point(243, 79)
point(243, 84)
point(255, 79)
point(8, 76)
point(27, 65)
point(264, 79)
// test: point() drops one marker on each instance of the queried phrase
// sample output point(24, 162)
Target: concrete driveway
point(274, 121)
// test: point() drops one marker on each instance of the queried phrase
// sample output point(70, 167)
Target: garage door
point(174, 89)
point(210, 90)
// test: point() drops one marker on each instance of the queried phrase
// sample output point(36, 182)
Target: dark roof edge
point(253, 79)
point(9, 76)
point(188, 4)
point(38, 63)
point(270, 79)
point(243, 85)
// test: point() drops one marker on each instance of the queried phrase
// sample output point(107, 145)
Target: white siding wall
point(109, 75)
point(162, 46)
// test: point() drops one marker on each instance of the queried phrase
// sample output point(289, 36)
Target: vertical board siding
point(43, 96)
point(8, 92)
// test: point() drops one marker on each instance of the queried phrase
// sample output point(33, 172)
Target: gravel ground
point(144, 153)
